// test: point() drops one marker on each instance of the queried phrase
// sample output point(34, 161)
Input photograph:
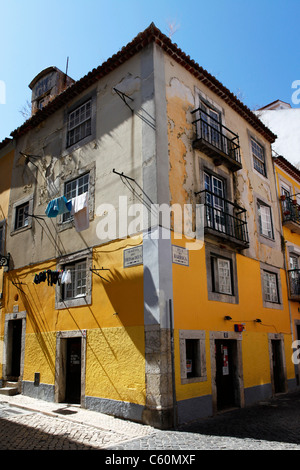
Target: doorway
point(73, 370)
point(226, 370)
point(14, 340)
point(277, 363)
point(277, 367)
point(70, 367)
point(226, 373)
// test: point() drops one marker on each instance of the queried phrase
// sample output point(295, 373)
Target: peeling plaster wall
point(116, 143)
point(185, 163)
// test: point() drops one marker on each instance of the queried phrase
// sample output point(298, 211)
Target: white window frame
point(79, 188)
point(24, 218)
point(79, 123)
point(77, 288)
point(271, 291)
point(224, 276)
point(80, 298)
point(258, 156)
point(265, 220)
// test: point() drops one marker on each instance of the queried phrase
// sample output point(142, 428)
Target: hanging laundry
point(80, 211)
point(52, 277)
point(66, 277)
point(41, 277)
point(58, 206)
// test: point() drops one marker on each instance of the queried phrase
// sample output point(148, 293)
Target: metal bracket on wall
point(93, 270)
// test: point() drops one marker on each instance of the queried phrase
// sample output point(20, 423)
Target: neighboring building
point(288, 183)
point(157, 325)
point(284, 121)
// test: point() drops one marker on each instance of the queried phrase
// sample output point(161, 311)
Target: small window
point(265, 220)
point(74, 188)
point(193, 359)
point(222, 275)
point(271, 287)
point(192, 356)
point(258, 156)
point(21, 217)
point(79, 123)
point(78, 286)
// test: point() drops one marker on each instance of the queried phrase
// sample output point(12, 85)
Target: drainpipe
point(173, 366)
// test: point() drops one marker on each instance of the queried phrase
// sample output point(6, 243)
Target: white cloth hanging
point(66, 277)
point(80, 212)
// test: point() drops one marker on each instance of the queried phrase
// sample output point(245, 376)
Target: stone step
point(10, 388)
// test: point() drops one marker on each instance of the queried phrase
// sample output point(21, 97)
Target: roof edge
point(150, 35)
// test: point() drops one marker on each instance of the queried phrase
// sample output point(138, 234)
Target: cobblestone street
point(27, 424)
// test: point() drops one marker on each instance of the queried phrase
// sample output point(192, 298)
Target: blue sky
point(252, 47)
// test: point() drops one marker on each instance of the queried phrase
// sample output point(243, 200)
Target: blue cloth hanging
point(58, 206)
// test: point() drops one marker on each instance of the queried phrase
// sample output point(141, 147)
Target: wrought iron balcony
point(216, 140)
point(294, 284)
point(290, 213)
point(224, 220)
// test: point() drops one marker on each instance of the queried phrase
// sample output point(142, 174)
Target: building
point(285, 120)
point(152, 186)
point(288, 184)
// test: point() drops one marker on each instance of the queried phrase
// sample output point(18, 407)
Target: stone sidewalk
point(30, 424)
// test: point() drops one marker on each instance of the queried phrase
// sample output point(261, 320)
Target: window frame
point(216, 271)
point(273, 276)
point(84, 124)
point(75, 259)
point(16, 206)
point(261, 167)
point(214, 251)
point(79, 103)
point(67, 217)
point(259, 205)
point(74, 268)
point(276, 271)
point(65, 223)
point(199, 336)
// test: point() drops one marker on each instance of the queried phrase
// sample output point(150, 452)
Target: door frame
point(60, 364)
point(239, 378)
point(280, 338)
point(9, 317)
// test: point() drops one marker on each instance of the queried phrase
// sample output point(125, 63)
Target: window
point(258, 156)
point(79, 123)
point(271, 287)
point(77, 287)
point(192, 356)
point(265, 220)
point(215, 202)
point(210, 125)
point(74, 188)
point(79, 291)
point(21, 216)
point(221, 275)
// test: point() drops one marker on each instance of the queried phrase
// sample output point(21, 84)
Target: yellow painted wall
point(115, 365)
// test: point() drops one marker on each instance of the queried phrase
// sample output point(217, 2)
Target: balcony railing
point(216, 140)
point(294, 283)
point(290, 213)
point(224, 219)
